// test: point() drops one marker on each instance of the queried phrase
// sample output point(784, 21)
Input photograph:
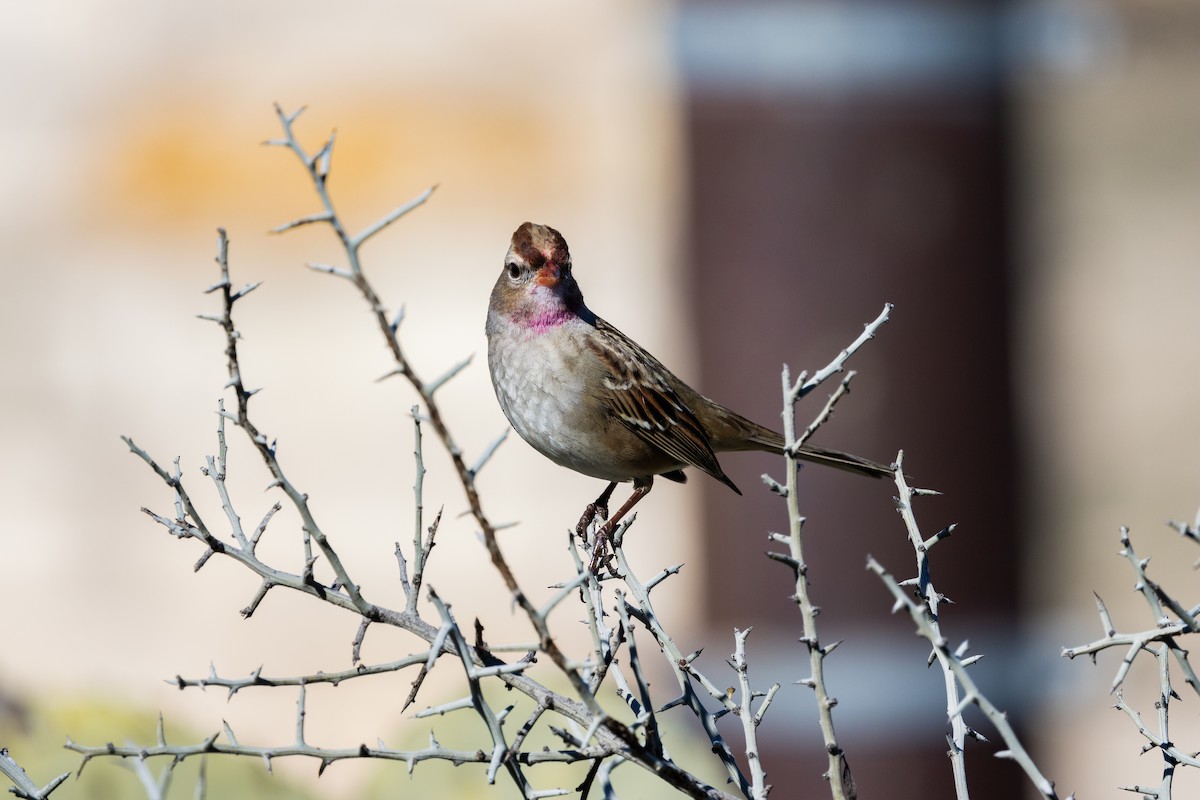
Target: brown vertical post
point(813, 200)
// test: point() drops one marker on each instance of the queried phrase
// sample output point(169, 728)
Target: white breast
point(540, 389)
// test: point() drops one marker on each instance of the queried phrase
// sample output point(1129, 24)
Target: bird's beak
point(548, 275)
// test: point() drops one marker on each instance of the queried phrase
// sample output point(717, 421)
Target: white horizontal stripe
point(881, 45)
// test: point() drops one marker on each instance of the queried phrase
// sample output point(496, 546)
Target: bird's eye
point(514, 270)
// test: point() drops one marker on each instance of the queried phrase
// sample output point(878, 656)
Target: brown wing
point(638, 392)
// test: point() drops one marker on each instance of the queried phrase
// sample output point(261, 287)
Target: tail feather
point(767, 439)
point(739, 433)
point(846, 461)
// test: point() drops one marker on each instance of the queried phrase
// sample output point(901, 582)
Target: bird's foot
point(602, 556)
point(589, 514)
point(603, 535)
point(599, 507)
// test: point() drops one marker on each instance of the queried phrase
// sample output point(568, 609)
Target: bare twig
point(750, 717)
point(931, 600)
point(1166, 630)
point(22, 786)
point(500, 749)
point(971, 692)
point(1172, 756)
point(804, 384)
point(685, 671)
point(838, 773)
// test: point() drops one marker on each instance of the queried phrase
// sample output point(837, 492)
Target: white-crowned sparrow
point(591, 399)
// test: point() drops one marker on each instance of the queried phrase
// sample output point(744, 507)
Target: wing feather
point(638, 392)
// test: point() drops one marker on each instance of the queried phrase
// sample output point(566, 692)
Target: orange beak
point(548, 275)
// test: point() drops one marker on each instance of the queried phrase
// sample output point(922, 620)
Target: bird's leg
point(601, 503)
point(589, 513)
point(641, 488)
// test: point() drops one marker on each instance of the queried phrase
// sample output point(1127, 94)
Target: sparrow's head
point(536, 285)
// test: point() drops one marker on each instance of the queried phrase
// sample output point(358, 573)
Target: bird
point(591, 399)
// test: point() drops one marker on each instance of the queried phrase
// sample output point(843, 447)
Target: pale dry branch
point(931, 599)
point(841, 782)
point(1166, 630)
point(684, 670)
point(750, 717)
point(805, 384)
point(972, 695)
point(1172, 756)
point(23, 787)
point(1172, 622)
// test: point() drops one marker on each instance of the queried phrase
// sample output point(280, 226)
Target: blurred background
point(743, 185)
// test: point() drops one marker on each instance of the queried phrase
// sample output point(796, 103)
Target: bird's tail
point(846, 461)
point(767, 439)
point(735, 432)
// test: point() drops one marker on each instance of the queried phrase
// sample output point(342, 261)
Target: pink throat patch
point(545, 319)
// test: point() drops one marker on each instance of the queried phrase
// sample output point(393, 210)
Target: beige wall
point(1111, 366)
point(132, 131)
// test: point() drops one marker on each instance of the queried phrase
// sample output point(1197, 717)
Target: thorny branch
point(919, 611)
point(931, 599)
point(22, 786)
point(1172, 621)
point(838, 774)
point(919, 597)
point(1172, 755)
